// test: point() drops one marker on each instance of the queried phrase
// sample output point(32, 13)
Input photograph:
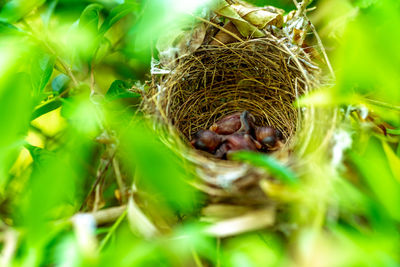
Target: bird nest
point(263, 75)
point(257, 75)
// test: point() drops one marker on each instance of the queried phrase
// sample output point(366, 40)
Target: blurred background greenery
point(67, 132)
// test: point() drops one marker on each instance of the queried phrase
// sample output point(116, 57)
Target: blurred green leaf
point(375, 169)
point(9, 29)
point(393, 159)
point(120, 89)
point(269, 163)
point(46, 108)
point(14, 10)
point(159, 170)
point(41, 69)
point(398, 150)
point(60, 83)
point(39, 155)
point(252, 250)
point(90, 17)
point(46, 15)
point(116, 14)
point(364, 3)
point(15, 110)
point(50, 190)
point(369, 55)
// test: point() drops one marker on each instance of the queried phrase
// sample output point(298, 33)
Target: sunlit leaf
point(41, 69)
point(376, 171)
point(15, 109)
point(9, 29)
point(46, 15)
point(393, 159)
point(46, 108)
point(90, 17)
point(116, 14)
point(364, 3)
point(14, 10)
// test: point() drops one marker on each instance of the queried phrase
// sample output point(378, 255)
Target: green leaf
point(15, 110)
point(90, 17)
point(49, 11)
point(364, 3)
point(377, 174)
point(46, 108)
point(398, 150)
point(41, 69)
point(393, 160)
point(269, 163)
point(60, 83)
point(14, 10)
point(161, 172)
point(39, 155)
point(120, 89)
point(8, 29)
point(116, 14)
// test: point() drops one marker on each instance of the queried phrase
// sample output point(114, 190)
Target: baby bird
point(236, 122)
point(236, 142)
point(247, 123)
point(206, 140)
point(270, 137)
point(228, 124)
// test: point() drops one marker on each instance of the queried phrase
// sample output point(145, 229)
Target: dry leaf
point(259, 17)
point(224, 38)
point(250, 221)
point(222, 8)
point(191, 41)
point(298, 36)
point(177, 42)
point(213, 212)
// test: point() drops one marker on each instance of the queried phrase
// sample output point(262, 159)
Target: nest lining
point(257, 75)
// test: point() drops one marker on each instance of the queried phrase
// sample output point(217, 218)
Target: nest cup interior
point(258, 75)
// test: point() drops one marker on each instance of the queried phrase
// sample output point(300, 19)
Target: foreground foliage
point(72, 75)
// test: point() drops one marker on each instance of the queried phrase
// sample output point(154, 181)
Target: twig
point(221, 28)
point(97, 195)
point(196, 258)
point(118, 177)
point(106, 215)
point(218, 252)
point(301, 10)
point(301, 7)
point(383, 104)
point(99, 176)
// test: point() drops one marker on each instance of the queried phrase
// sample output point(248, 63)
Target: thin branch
point(301, 7)
point(106, 215)
point(301, 10)
point(219, 27)
point(119, 179)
